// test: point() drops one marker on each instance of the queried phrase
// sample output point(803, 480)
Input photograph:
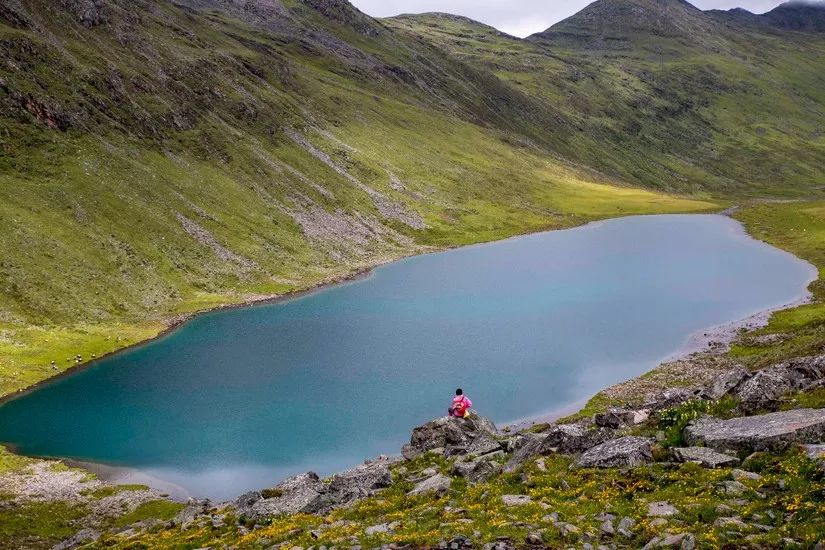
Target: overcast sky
point(523, 17)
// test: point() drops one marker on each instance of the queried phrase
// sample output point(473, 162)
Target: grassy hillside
point(158, 159)
point(664, 94)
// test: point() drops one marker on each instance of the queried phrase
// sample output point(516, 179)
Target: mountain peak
point(611, 24)
point(798, 15)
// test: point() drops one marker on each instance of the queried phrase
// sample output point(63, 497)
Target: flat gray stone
point(661, 510)
point(705, 456)
point(515, 500)
point(768, 432)
point(438, 484)
point(625, 451)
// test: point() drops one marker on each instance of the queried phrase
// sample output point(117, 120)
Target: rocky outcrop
point(560, 438)
point(307, 493)
point(478, 470)
point(625, 451)
point(454, 436)
point(360, 482)
point(303, 493)
point(766, 389)
point(82, 538)
point(774, 431)
point(704, 456)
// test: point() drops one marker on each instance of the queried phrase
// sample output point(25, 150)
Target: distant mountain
point(621, 24)
point(795, 16)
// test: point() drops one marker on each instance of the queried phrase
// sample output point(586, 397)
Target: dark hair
point(459, 391)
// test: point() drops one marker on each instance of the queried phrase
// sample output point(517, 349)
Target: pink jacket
point(461, 403)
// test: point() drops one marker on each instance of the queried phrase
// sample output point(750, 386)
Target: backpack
point(460, 407)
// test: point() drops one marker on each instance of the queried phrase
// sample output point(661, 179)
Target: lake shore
point(719, 336)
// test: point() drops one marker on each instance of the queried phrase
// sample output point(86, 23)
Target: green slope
point(663, 94)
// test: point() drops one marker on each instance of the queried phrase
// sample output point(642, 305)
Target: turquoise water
point(239, 399)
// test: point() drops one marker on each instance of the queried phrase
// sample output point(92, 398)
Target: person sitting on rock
point(460, 406)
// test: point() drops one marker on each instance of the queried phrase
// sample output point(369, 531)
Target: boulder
point(774, 431)
point(743, 475)
point(573, 438)
point(455, 435)
point(625, 451)
point(767, 387)
point(438, 484)
point(616, 418)
point(527, 446)
point(704, 456)
point(359, 482)
point(725, 383)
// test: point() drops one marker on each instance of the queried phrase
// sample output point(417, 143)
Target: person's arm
point(469, 403)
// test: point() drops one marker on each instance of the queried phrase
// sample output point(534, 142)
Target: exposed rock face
point(625, 451)
point(307, 493)
point(725, 383)
point(704, 456)
point(561, 438)
point(774, 431)
point(457, 436)
point(88, 12)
